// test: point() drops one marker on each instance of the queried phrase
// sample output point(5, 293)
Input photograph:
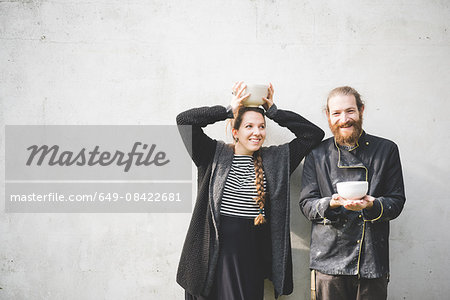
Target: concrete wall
point(142, 62)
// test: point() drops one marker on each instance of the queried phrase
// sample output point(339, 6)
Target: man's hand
point(355, 205)
point(336, 201)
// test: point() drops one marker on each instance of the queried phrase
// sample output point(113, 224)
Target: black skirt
point(243, 261)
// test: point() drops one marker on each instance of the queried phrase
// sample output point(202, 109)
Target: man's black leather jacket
point(345, 242)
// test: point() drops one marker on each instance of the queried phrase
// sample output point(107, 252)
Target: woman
point(239, 232)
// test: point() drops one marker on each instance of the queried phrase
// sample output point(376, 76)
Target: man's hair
point(345, 90)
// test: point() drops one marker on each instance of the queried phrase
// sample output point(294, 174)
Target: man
point(349, 255)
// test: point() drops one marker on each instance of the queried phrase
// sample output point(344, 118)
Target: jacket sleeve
point(200, 146)
point(390, 204)
point(307, 134)
point(315, 207)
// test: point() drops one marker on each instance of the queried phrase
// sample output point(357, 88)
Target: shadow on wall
point(417, 246)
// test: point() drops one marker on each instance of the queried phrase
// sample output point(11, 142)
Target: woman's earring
point(236, 139)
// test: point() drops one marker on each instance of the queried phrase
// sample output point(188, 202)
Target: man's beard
point(351, 139)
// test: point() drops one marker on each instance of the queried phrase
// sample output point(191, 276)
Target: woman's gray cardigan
point(197, 266)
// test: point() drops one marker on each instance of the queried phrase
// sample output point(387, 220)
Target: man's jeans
point(343, 287)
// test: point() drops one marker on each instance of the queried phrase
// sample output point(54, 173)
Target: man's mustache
point(346, 124)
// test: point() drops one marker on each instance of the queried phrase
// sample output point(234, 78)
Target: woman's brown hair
point(257, 159)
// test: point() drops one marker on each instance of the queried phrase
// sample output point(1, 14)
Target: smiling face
point(344, 119)
point(250, 134)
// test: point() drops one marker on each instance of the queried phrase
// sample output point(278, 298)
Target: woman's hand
point(238, 95)
point(268, 102)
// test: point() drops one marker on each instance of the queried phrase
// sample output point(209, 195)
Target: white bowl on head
point(352, 190)
point(257, 91)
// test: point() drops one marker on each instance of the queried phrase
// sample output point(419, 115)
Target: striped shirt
point(239, 192)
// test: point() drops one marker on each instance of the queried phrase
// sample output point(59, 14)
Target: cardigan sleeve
point(307, 135)
point(200, 147)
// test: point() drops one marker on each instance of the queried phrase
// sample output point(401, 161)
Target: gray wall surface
point(143, 62)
